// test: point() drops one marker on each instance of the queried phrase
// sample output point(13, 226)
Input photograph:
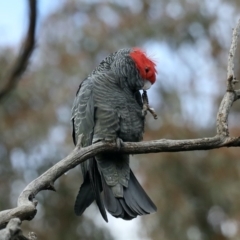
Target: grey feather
point(108, 105)
point(85, 197)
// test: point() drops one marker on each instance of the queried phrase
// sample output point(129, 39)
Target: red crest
point(145, 66)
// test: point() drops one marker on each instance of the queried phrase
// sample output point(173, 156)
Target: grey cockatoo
point(109, 107)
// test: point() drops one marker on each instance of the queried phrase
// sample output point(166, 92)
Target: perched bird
point(109, 107)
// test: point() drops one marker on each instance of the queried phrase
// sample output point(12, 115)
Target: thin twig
point(22, 61)
point(222, 116)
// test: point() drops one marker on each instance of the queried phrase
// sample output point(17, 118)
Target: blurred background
point(197, 193)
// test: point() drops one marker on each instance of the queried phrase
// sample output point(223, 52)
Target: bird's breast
point(124, 107)
point(131, 123)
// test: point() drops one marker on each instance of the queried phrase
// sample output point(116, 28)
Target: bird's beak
point(146, 85)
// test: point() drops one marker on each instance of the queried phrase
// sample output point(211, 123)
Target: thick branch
point(12, 231)
point(21, 62)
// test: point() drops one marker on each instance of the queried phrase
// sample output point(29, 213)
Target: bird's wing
point(83, 116)
point(83, 123)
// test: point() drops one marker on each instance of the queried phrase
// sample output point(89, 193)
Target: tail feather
point(134, 202)
point(133, 205)
point(85, 197)
point(137, 199)
point(89, 191)
point(129, 213)
point(112, 204)
point(97, 187)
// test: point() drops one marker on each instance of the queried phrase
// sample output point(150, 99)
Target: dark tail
point(89, 191)
point(134, 202)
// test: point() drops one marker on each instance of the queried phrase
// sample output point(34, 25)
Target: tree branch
point(12, 231)
point(22, 61)
point(230, 70)
point(26, 209)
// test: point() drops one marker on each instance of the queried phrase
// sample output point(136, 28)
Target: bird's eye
point(146, 69)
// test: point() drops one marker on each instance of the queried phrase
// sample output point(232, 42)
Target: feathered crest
point(145, 65)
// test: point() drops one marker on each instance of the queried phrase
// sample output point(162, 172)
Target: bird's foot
point(151, 110)
point(119, 143)
point(146, 107)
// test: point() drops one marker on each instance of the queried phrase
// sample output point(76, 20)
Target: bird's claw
point(151, 110)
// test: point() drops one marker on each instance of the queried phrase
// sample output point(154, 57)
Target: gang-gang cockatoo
point(109, 107)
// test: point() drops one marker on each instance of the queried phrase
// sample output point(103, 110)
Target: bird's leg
point(146, 105)
point(144, 110)
point(119, 143)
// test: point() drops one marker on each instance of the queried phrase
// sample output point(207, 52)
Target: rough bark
point(14, 232)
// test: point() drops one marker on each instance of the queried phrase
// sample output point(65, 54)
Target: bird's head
point(145, 66)
point(133, 69)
